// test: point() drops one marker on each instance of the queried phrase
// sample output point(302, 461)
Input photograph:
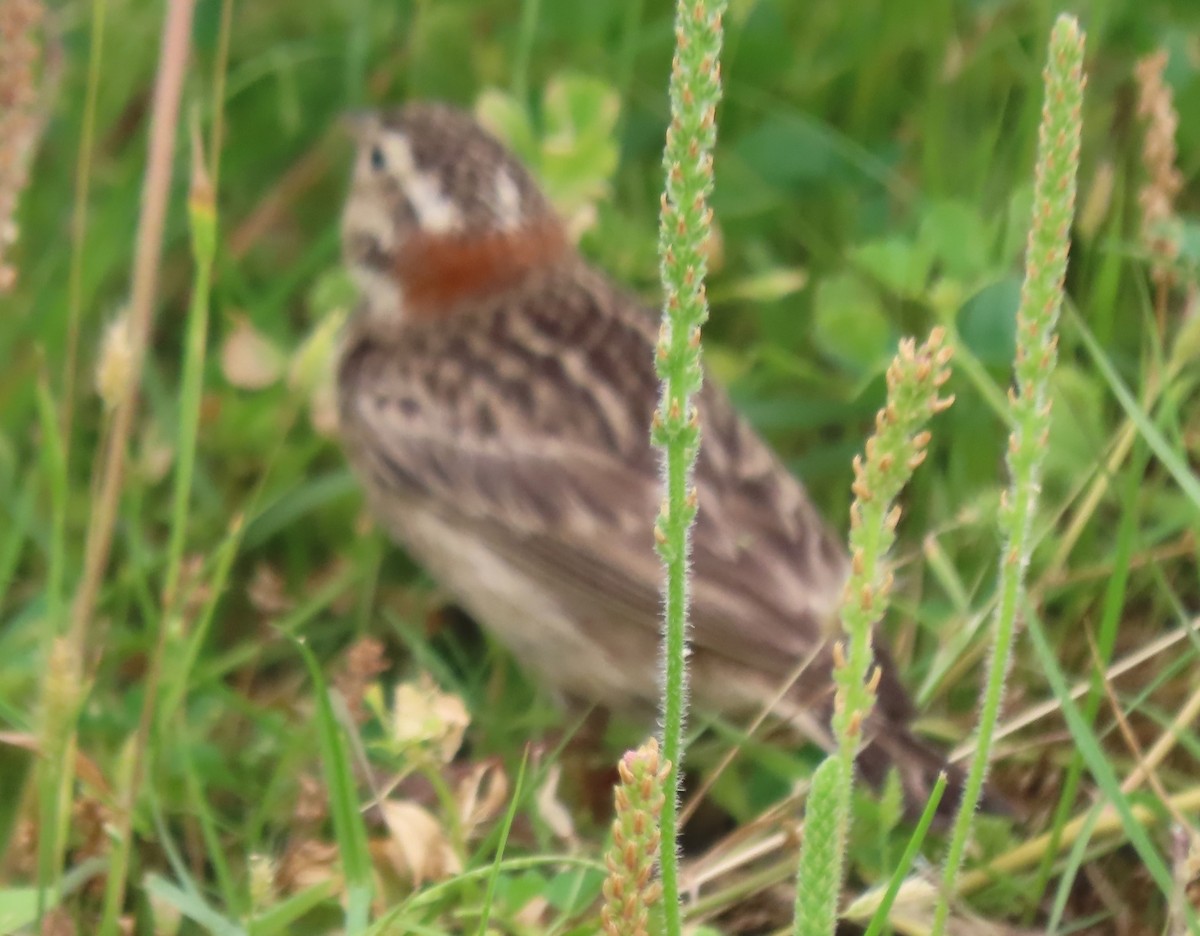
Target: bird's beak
point(358, 124)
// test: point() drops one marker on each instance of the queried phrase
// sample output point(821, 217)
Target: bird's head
point(440, 211)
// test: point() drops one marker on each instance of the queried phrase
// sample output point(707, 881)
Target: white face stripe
point(436, 213)
point(508, 200)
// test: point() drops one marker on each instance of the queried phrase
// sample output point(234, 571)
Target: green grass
point(883, 155)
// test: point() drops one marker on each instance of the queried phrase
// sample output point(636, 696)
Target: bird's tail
point(893, 745)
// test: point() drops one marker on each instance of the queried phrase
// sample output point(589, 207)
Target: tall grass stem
point(685, 226)
point(1029, 400)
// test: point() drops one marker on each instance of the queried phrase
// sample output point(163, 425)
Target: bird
point(495, 392)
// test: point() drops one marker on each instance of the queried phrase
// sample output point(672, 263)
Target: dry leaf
point(155, 455)
point(481, 794)
point(913, 910)
point(86, 769)
point(364, 661)
point(91, 820)
point(533, 914)
point(21, 858)
point(312, 802)
point(423, 714)
point(305, 865)
point(194, 588)
point(267, 592)
point(417, 847)
point(249, 360)
point(552, 811)
point(58, 922)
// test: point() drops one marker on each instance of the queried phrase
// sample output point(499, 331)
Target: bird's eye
point(378, 160)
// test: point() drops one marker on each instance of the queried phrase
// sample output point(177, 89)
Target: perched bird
point(495, 398)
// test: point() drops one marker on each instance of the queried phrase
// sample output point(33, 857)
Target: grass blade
point(348, 824)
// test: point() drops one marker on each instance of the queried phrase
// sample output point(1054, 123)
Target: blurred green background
point(873, 180)
point(873, 175)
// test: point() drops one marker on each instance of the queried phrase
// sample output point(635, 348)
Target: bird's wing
point(540, 447)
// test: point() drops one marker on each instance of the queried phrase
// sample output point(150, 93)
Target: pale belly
point(540, 633)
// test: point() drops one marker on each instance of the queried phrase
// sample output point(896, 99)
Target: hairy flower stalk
point(1161, 230)
point(819, 881)
point(893, 452)
point(1029, 400)
point(629, 891)
point(22, 115)
point(686, 219)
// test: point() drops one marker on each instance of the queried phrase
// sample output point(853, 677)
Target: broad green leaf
point(579, 148)
point(900, 265)
point(987, 322)
point(1077, 434)
point(849, 325)
point(789, 151)
point(957, 237)
point(506, 117)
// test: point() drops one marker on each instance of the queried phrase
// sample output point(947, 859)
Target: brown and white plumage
point(495, 399)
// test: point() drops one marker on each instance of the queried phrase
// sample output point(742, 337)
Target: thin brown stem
point(147, 255)
point(164, 119)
